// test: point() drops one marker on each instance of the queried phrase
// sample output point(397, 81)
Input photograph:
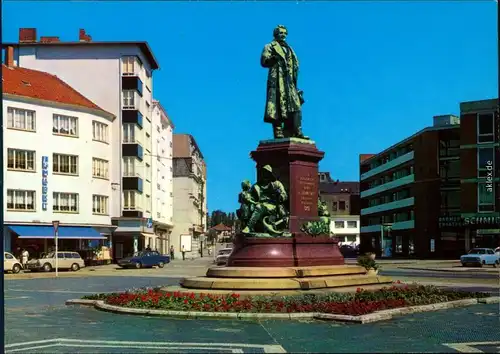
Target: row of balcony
point(401, 225)
point(388, 165)
point(388, 186)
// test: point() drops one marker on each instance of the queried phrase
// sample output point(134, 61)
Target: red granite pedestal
point(295, 164)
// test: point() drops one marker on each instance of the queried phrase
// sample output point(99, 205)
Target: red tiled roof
point(43, 86)
point(221, 227)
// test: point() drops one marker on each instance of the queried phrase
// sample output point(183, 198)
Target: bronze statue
point(320, 227)
point(284, 100)
point(268, 214)
point(247, 203)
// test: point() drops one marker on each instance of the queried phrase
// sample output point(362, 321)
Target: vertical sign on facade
point(45, 173)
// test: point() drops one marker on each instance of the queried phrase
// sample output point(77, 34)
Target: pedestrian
point(172, 253)
point(24, 258)
point(183, 253)
point(148, 249)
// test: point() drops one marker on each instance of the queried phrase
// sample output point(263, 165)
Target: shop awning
point(65, 232)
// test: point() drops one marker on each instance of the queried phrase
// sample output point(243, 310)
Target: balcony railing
point(401, 225)
point(388, 165)
point(388, 186)
point(389, 206)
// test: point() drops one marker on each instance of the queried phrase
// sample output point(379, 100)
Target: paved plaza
point(37, 321)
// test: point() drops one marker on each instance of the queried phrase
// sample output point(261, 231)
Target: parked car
point(497, 251)
point(144, 259)
point(11, 263)
point(480, 257)
point(349, 251)
point(223, 256)
point(66, 260)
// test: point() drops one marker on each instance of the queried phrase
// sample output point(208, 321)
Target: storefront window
point(411, 245)
point(399, 244)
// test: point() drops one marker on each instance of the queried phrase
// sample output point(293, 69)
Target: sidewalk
point(405, 261)
point(455, 269)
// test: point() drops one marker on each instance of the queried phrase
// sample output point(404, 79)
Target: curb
point(458, 270)
point(369, 318)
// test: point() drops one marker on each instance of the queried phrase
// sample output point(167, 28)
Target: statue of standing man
point(284, 100)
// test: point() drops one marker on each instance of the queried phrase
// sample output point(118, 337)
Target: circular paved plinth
point(283, 272)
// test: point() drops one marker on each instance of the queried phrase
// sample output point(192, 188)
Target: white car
point(11, 263)
point(65, 260)
point(222, 256)
point(497, 251)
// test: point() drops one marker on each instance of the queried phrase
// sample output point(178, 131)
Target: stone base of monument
point(297, 251)
point(286, 280)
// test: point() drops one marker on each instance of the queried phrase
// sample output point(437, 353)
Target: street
point(37, 320)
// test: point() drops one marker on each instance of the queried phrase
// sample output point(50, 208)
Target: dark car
point(144, 259)
point(349, 251)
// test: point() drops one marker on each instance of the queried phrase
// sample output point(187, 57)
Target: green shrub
point(366, 262)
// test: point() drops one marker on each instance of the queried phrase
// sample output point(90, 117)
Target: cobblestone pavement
point(37, 321)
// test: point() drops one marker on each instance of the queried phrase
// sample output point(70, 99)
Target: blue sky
point(372, 73)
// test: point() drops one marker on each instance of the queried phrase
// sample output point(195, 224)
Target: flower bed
point(361, 302)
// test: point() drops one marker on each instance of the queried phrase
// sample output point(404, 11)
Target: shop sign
point(489, 176)
point(445, 221)
point(482, 220)
point(45, 174)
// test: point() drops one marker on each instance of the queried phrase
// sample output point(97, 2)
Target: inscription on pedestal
point(307, 192)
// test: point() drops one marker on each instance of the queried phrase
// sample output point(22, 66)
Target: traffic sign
point(55, 223)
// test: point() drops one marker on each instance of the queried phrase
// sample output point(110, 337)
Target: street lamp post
point(55, 224)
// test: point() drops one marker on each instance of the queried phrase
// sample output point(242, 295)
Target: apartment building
point(433, 194)
point(190, 205)
point(479, 177)
point(117, 76)
point(162, 165)
point(57, 149)
point(342, 199)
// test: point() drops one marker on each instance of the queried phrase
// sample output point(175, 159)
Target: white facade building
point(345, 228)
point(162, 166)
point(57, 149)
point(117, 76)
point(190, 204)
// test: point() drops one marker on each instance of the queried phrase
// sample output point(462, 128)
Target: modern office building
point(57, 150)
point(426, 195)
point(342, 199)
point(190, 202)
point(117, 76)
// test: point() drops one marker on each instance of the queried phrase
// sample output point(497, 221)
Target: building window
point(352, 224)
point(100, 131)
point(449, 169)
point(128, 99)
point(129, 200)
point(65, 164)
point(128, 66)
point(129, 133)
point(334, 206)
point(20, 200)
point(64, 125)
point(65, 202)
point(342, 205)
point(486, 197)
point(20, 160)
point(485, 158)
point(485, 128)
point(100, 204)
point(100, 168)
point(339, 224)
point(129, 165)
point(148, 172)
point(21, 119)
